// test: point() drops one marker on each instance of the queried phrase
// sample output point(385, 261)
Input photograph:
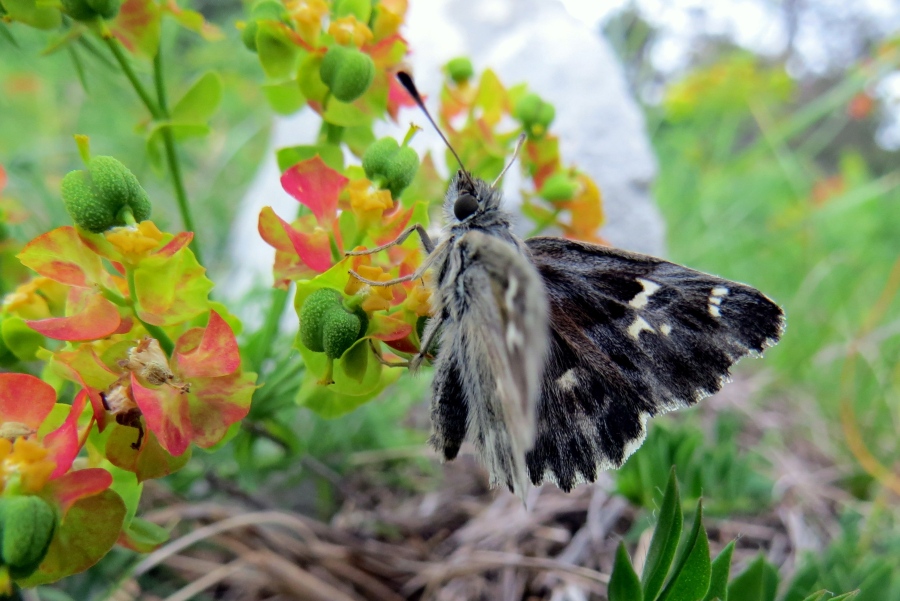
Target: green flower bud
point(327, 326)
point(96, 197)
point(559, 186)
point(460, 69)
point(361, 9)
point(27, 524)
point(391, 165)
point(535, 114)
point(347, 72)
point(87, 10)
point(248, 35)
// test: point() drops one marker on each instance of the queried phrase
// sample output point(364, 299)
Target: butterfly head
point(469, 197)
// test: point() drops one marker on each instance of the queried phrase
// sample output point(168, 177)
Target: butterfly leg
point(436, 253)
point(432, 330)
point(426, 242)
point(384, 361)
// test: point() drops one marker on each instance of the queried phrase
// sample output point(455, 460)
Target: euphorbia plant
point(122, 311)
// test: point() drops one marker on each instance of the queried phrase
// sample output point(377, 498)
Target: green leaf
point(345, 114)
point(21, 340)
point(330, 154)
point(664, 541)
point(309, 79)
point(201, 100)
point(33, 13)
point(171, 289)
point(624, 584)
point(817, 596)
point(845, 596)
point(718, 581)
point(277, 52)
point(356, 360)
point(757, 583)
point(144, 536)
point(89, 530)
point(285, 98)
point(690, 578)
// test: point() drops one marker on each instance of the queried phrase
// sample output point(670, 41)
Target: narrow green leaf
point(817, 596)
point(624, 584)
point(757, 583)
point(845, 596)
point(664, 541)
point(805, 578)
point(690, 578)
point(201, 100)
point(718, 581)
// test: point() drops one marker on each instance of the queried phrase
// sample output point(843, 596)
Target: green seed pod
point(248, 35)
point(348, 73)
point(378, 156)
point(361, 9)
point(394, 165)
point(559, 186)
point(95, 197)
point(341, 330)
point(28, 524)
point(535, 114)
point(312, 317)
point(87, 10)
point(401, 170)
point(460, 69)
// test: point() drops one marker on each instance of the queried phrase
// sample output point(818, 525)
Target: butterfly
point(552, 353)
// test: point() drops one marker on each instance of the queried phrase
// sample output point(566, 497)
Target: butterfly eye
point(464, 206)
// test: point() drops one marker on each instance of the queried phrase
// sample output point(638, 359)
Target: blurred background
point(774, 127)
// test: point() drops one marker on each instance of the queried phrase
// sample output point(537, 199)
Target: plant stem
point(125, 65)
point(159, 110)
point(172, 155)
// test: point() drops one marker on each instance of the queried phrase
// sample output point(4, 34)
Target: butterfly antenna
point(512, 160)
point(406, 81)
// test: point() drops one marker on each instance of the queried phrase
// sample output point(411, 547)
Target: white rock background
point(561, 58)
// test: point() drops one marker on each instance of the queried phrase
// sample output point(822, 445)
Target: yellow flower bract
point(380, 297)
point(135, 242)
point(350, 30)
point(24, 461)
point(29, 300)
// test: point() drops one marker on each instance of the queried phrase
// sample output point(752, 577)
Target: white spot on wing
point(567, 381)
point(634, 444)
point(641, 299)
point(666, 329)
point(715, 299)
point(639, 325)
